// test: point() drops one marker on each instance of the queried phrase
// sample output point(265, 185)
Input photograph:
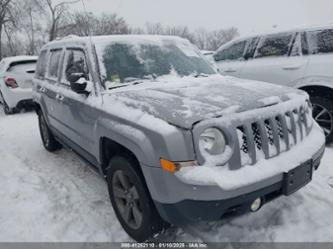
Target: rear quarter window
point(53, 67)
point(275, 45)
point(23, 67)
point(41, 65)
point(320, 41)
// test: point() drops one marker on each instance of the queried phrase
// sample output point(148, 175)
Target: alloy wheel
point(323, 117)
point(127, 199)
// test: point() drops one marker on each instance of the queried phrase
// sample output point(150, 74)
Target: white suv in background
point(16, 75)
point(300, 58)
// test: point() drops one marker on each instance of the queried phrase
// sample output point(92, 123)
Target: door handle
point(42, 89)
point(60, 97)
point(230, 70)
point(292, 67)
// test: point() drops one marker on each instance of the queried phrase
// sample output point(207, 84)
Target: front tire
point(323, 114)
point(131, 200)
point(49, 142)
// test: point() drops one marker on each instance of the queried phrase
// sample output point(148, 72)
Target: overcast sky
point(249, 16)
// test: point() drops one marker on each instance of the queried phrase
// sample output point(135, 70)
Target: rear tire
point(131, 200)
point(323, 114)
point(49, 142)
point(7, 110)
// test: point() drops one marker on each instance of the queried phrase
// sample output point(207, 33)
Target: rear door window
point(232, 53)
point(321, 41)
point(275, 45)
point(54, 62)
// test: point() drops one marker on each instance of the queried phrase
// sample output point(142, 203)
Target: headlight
point(212, 141)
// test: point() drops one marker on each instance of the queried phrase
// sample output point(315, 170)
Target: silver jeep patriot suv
point(176, 142)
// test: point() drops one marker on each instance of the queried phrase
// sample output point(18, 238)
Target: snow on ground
point(57, 197)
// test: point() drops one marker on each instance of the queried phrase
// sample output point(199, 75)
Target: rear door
point(230, 60)
point(48, 85)
point(278, 59)
point(320, 50)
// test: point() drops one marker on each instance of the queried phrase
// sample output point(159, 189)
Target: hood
point(186, 101)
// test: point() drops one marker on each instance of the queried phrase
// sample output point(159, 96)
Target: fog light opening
point(256, 205)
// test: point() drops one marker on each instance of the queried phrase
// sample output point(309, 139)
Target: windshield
point(126, 62)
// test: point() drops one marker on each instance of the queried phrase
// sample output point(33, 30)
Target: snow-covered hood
point(183, 102)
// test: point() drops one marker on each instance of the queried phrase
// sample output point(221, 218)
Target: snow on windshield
point(124, 60)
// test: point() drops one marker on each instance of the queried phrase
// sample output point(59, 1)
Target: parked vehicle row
point(299, 58)
point(176, 142)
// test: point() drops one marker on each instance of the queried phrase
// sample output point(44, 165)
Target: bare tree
point(83, 24)
point(154, 29)
point(208, 40)
point(109, 24)
point(58, 12)
point(6, 16)
point(217, 38)
point(29, 23)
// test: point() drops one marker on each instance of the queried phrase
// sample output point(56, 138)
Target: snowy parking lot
point(58, 197)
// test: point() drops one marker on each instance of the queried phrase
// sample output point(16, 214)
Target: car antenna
point(91, 42)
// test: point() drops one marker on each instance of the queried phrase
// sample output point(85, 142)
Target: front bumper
point(188, 211)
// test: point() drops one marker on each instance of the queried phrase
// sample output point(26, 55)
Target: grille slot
point(244, 141)
point(243, 146)
point(269, 131)
point(279, 127)
point(257, 136)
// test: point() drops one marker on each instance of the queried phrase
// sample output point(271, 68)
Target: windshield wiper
point(126, 84)
point(131, 81)
point(199, 75)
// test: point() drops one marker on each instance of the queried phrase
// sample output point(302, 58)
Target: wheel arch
point(318, 90)
point(110, 148)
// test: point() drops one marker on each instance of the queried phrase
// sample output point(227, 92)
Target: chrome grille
point(272, 136)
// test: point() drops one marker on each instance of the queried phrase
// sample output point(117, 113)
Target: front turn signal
point(173, 167)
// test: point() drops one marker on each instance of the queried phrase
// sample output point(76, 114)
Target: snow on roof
point(283, 30)
point(19, 58)
point(113, 38)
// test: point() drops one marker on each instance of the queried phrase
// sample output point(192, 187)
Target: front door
point(77, 117)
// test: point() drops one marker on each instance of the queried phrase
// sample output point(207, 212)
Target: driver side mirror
point(79, 83)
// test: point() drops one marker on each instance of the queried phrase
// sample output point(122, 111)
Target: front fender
point(147, 143)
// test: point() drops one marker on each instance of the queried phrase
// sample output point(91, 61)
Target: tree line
point(26, 25)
